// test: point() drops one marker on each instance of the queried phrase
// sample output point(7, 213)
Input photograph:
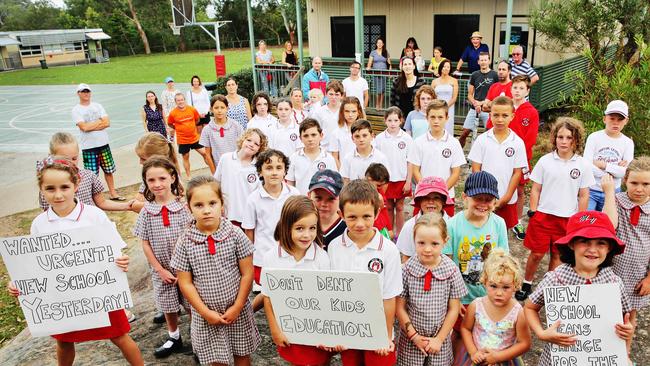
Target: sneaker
point(170, 346)
point(256, 288)
point(526, 290)
point(159, 318)
point(130, 316)
point(520, 232)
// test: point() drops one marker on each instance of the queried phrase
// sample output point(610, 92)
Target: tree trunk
point(289, 26)
point(138, 26)
point(292, 37)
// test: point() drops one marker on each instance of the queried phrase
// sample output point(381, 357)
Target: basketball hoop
point(176, 30)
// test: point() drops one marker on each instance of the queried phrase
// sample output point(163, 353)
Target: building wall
point(58, 58)
point(406, 18)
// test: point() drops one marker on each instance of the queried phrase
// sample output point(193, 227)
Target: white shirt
point(262, 213)
point(285, 138)
point(599, 146)
point(499, 159)
point(406, 240)
point(329, 122)
point(237, 183)
point(561, 180)
point(355, 88)
point(302, 168)
point(262, 123)
point(353, 165)
point(396, 148)
point(341, 142)
point(90, 113)
point(299, 116)
point(380, 256)
point(436, 158)
point(315, 259)
point(200, 100)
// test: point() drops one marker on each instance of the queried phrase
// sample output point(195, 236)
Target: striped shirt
point(523, 68)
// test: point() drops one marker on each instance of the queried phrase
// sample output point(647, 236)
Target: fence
point(12, 62)
point(278, 79)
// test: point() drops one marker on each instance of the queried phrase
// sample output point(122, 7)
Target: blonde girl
point(299, 238)
point(214, 265)
point(430, 302)
point(503, 341)
point(340, 144)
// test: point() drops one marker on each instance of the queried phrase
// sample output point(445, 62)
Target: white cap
point(83, 86)
point(617, 106)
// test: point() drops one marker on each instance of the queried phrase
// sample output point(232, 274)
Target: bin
point(43, 64)
point(220, 65)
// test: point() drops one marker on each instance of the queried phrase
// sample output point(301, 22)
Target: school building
point(23, 49)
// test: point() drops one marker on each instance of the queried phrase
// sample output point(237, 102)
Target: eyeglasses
point(517, 54)
point(355, 67)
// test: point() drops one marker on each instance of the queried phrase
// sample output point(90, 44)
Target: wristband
point(413, 336)
point(530, 213)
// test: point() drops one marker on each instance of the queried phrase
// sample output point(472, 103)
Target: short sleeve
point(140, 230)
point(196, 114)
point(458, 288)
point(345, 166)
point(407, 124)
point(101, 111)
point(244, 247)
point(472, 79)
point(97, 186)
point(180, 260)
point(458, 154)
point(476, 152)
point(537, 296)
point(537, 175)
point(170, 118)
point(219, 172)
point(364, 87)
point(204, 140)
point(77, 116)
point(405, 285)
point(405, 244)
point(625, 301)
point(588, 179)
point(448, 249)
point(249, 220)
point(415, 155)
point(502, 233)
point(291, 173)
point(334, 145)
point(393, 275)
point(520, 154)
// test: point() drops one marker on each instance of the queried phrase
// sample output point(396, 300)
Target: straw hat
point(476, 35)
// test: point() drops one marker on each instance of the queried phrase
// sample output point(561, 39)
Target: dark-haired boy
point(354, 165)
point(311, 158)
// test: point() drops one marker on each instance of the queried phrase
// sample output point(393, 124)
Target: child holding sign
point(430, 302)
point(499, 342)
point(214, 264)
point(587, 252)
point(161, 221)
point(299, 238)
point(58, 180)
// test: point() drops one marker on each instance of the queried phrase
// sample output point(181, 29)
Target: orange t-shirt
point(184, 122)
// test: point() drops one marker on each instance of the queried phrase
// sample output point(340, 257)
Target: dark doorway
point(452, 32)
point(343, 34)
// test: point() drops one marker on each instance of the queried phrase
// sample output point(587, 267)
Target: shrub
point(244, 78)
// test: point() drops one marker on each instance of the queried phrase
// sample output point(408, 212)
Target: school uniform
point(500, 159)
point(302, 168)
point(89, 186)
point(299, 116)
point(237, 183)
point(354, 166)
point(406, 243)
point(285, 138)
point(341, 142)
point(561, 182)
point(329, 122)
point(427, 293)
point(221, 139)
point(213, 261)
point(264, 124)
point(436, 157)
point(83, 216)
point(334, 231)
point(396, 148)
point(161, 225)
point(565, 275)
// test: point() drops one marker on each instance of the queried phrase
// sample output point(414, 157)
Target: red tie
point(588, 282)
point(634, 216)
point(427, 280)
point(165, 215)
point(221, 132)
point(211, 248)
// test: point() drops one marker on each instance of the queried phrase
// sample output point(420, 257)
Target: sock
point(175, 334)
point(527, 286)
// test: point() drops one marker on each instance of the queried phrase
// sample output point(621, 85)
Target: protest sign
point(328, 307)
point(590, 312)
point(68, 280)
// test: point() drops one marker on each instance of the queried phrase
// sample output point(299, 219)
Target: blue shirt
point(470, 55)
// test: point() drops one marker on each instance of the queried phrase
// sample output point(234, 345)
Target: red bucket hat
point(432, 185)
point(591, 225)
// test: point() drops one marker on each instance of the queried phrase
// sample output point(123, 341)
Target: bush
point(244, 78)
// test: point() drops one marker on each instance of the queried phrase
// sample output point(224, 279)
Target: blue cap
point(481, 183)
point(168, 79)
point(328, 180)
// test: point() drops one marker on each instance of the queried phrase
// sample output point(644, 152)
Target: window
point(71, 47)
point(49, 49)
point(342, 29)
point(30, 50)
point(452, 32)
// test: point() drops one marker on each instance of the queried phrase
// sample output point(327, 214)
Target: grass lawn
point(134, 69)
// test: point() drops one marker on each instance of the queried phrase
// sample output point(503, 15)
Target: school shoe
point(256, 288)
point(170, 346)
point(520, 232)
point(159, 318)
point(130, 316)
point(526, 290)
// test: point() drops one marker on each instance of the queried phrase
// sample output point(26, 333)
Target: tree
point(27, 15)
point(288, 12)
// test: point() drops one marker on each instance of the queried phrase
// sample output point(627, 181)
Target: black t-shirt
point(482, 83)
point(337, 229)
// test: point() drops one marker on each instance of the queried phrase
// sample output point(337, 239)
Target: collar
point(627, 203)
point(372, 152)
point(216, 127)
point(310, 255)
point(154, 208)
point(399, 135)
point(441, 272)
point(322, 154)
point(264, 194)
point(376, 243)
point(223, 232)
point(292, 124)
point(511, 135)
point(445, 136)
point(566, 275)
point(557, 157)
point(74, 215)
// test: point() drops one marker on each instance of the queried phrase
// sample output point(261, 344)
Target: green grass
point(134, 69)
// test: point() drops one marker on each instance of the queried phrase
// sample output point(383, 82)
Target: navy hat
point(328, 180)
point(481, 183)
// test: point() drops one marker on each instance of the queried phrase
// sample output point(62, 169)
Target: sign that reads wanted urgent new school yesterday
point(68, 280)
point(328, 307)
point(590, 312)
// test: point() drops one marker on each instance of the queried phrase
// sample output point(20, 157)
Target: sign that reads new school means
point(590, 312)
point(68, 280)
point(328, 308)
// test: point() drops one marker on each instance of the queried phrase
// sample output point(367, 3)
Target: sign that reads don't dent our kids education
point(328, 308)
point(68, 280)
point(590, 312)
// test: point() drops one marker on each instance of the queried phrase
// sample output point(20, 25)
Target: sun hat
point(168, 79)
point(82, 87)
point(591, 225)
point(431, 185)
point(481, 183)
point(327, 179)
point(617, 106)
point(476, 34)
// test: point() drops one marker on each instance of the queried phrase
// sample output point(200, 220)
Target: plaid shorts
point(99, 156)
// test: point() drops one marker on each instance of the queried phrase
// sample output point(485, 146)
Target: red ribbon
point(635, 215)
point(588, 282)
point(221, 132)
point(165, 215)
point(211, 247)
point(427, 280)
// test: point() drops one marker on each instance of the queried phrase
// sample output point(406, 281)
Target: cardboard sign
point(327, 307)
point(591, 313)
point(68, 280)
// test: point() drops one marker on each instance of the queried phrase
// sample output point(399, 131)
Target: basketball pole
point(251, 40)
point(299, 26)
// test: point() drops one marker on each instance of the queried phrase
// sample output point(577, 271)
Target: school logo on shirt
point(575, 173)
point(510, 151)
point(251, 178)
point(401, 145)
point(293, 137)
point(375, 265)
point(321, 166)
point(525, 122)
point(446, 153)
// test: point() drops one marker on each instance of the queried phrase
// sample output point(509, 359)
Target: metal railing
point(11, 63)
point(278, 79)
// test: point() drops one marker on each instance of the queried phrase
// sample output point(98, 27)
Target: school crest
point(525, 122)
point(321, 166)
point(251, 178)
point(375, 265)
point(401, 145)
point(575, 173)
point(446, 153)
point(510, 151)
point(293, 137)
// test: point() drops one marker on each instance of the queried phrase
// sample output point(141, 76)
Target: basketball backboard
point(182, 12)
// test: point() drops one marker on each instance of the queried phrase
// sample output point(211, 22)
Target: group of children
point(277, 200)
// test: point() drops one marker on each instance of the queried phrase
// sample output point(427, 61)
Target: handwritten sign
point(591, 313)
point(328, 308)
point(68, 280)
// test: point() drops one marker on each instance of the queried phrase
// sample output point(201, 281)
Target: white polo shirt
point(353, 165)
point(406, 241)
point(379, 256)
point(329, 122)
point(315, 259)
point(262, 213)
point(499, 159)
point(302, 168)
point(237, 183)
point(561, 180)
point(355, 88)
point(396, 148)
point(436, 158)
point(285, 138)
point(86, 114)
point(341, 142)
point(262, 123)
